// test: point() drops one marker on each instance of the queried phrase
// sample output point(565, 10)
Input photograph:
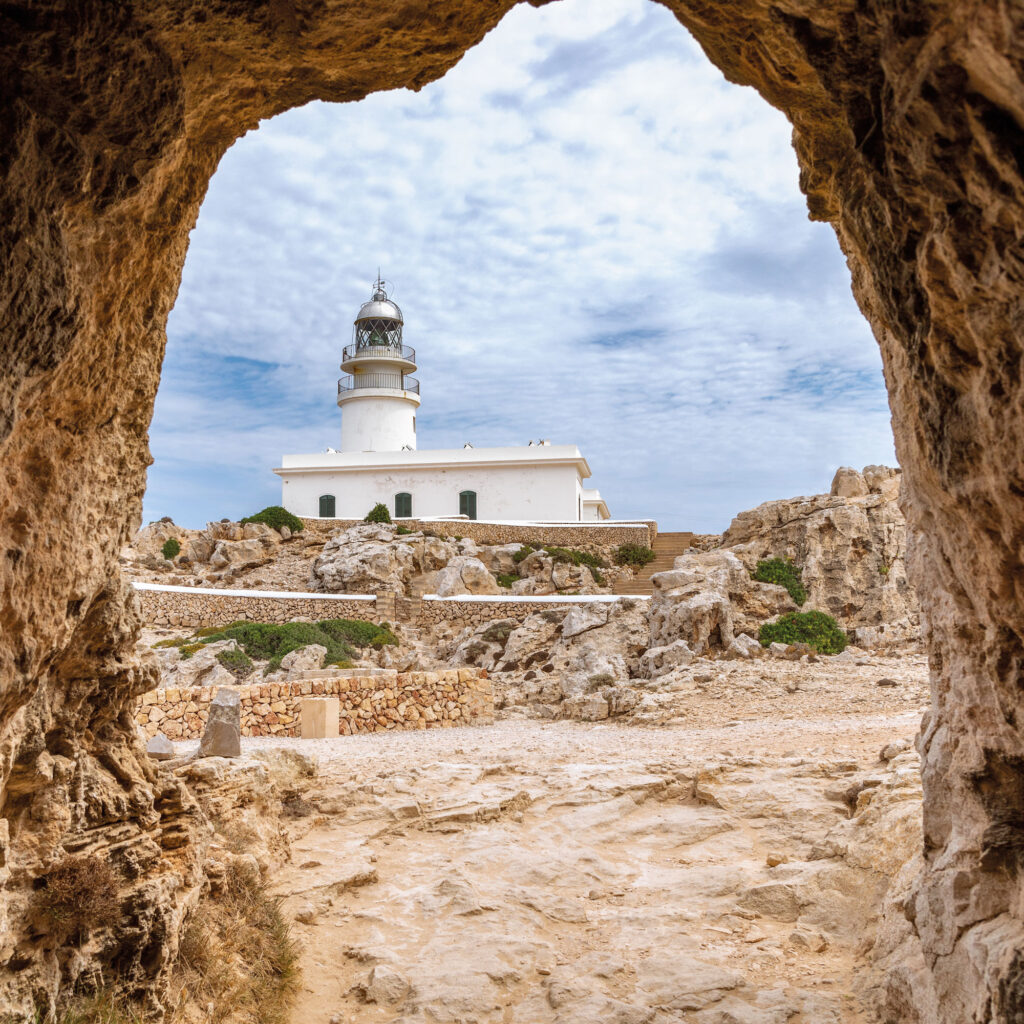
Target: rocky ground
point(726, 871)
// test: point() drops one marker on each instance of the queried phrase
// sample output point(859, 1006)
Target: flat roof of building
point(520, 455)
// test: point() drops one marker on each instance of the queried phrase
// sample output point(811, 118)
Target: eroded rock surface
point(564, 873)
point(851, 546)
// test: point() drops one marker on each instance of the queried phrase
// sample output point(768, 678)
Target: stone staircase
point(666, 547)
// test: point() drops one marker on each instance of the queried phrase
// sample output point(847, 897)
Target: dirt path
point(557, 872)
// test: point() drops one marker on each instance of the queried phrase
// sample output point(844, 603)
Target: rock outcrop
point(851, 546)
point(905, 126)
point(708, 600)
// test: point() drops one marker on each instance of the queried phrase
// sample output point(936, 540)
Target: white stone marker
point(319, 717)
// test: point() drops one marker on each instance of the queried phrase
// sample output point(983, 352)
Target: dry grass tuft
point(79, 894)
point(238, 957)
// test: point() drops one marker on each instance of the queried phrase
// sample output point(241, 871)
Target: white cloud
point(594, 238)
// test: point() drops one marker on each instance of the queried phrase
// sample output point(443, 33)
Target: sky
point(594, 239)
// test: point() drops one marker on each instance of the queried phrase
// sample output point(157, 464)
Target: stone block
point(319, 717)
point(160, 748)
point(222, 735)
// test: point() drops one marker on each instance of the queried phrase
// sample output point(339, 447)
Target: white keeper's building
point(379, 462)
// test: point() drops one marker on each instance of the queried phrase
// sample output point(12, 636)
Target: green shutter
point(326, 506)
point(403, 505)
point(467, 504)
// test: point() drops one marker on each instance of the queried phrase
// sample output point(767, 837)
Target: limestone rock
point(851, 548)
point(465, 574)
point(305, 659)
point(659, 661)
point(848, 483)
point(365, 559)
point(744, 647)
point(386, 986)
point(201, 669)
point(160, 748)
point(708, 599)
point(223, 732)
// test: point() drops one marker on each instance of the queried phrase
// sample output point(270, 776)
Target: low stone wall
point(567, 535)
point(376, 703)
point(477, 611)
point(196, 607)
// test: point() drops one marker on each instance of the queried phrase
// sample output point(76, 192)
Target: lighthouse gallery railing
point(388, 381)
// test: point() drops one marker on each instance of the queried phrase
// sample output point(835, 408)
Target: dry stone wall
point(562, 534)
point(463, 612)
point(369, 703)
point(196, 607)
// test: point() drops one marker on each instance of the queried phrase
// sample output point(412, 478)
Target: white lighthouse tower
point(378, 400)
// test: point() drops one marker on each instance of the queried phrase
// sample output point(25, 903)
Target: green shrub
point(784, 573)
point(237, 662)
point(817, 629)
point(378, 514)
point(498, 632)
point(271, 642)
point(506, 579)
point(522, 553)
point(573, 556)
point(637, 555)
point(403, 530)
point(171, 549)
point(598, 577)
point(275, 517)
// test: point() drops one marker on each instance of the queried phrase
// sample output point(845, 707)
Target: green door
point(467, 504)
point(403, 505)
point(326, 506)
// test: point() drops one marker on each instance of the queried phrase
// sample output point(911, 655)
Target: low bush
point(171, 549)
point(817, 629)
point(275, 517)
point(403, 530)
point(237, 662)
point(573, 556)
point(506, 579)
point(271, 642)
point(378, 514)
point(784, 573)
point(522, 553)
point(498, 632)
point(78, 895)
point(636, 555)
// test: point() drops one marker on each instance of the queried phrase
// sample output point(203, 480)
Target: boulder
point(386, 986)
point(848, 483)
point(708, 599)
point(744, 648)
point(160, 748)
point(241, 554)
point(659, 661)
point(465, 574)
point(365, 559)
point(305, 659)
point(201, 669)
point(222, 736)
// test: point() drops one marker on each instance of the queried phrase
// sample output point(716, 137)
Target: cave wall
point(907, 124)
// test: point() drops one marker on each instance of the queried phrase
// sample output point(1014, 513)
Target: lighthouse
point(379, 462)
point(378, 399)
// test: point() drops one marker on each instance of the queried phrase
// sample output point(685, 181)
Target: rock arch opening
point(905, 129)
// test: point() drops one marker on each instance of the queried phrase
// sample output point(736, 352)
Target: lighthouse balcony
point(389, 382)
point(401, 356)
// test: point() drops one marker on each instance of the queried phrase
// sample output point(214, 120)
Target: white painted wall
point(505, 492)
point(375, 420)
